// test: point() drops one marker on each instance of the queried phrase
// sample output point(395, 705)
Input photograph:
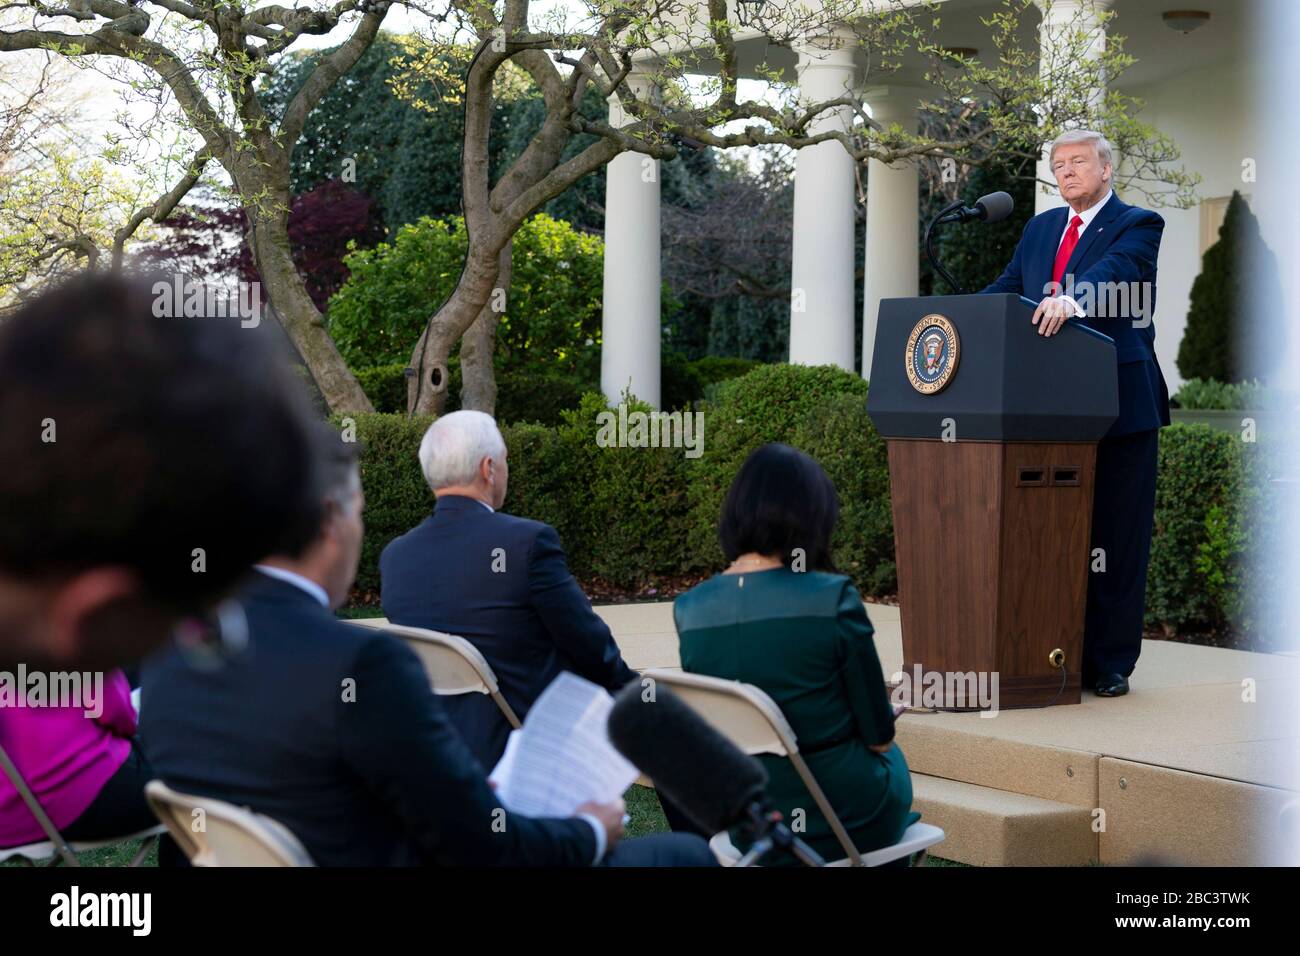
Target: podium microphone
point(991, 208)
point(715, 783)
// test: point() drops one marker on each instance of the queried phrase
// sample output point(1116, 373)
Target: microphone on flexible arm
point(989, 209)
point(714, 782)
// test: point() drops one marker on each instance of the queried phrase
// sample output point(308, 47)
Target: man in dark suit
point(333, 730)
point(1095, 260)
point(498, 581)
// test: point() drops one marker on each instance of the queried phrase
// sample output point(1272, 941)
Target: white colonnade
point(822, 319)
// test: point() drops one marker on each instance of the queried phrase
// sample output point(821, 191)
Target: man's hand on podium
point(1053, 311)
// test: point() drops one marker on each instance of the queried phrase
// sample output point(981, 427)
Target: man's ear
point(75, 603)
point(330, 512)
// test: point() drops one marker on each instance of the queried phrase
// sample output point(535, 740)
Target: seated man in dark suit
point(498, 581)
point(332, 730)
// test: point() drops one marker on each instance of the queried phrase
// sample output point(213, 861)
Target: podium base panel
point(1013, 693)
point(992, 548)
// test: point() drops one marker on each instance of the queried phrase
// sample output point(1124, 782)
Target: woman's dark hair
point(781, 503)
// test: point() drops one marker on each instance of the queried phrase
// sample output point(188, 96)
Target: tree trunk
point(269, 243)
point(478, 347)
point(427, 388)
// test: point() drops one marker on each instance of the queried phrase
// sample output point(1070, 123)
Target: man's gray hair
point(1071, 136)
point(455, 444)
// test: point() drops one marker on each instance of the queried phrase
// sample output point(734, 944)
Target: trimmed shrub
point(1208, 393)
point(628, 512)
point(1234, 329)
point(1211, 502)
point(538, 396)
point(718, 368)
point(385, 386)
point(1238, 531)
point(629, 515)
point(680, 384)
point(841, 436)
point(769, 404)
point(397, 497)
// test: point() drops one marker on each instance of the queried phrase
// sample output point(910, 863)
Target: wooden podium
point(992, 432)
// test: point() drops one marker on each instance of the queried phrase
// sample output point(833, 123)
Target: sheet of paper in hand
point(562, 756)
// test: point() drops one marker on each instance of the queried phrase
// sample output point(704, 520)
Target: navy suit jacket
point(1120, 245)
point(502, 583)
point(380, 780)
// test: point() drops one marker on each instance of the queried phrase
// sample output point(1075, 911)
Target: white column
point(629, 355)
point(1061, 18)
point(821, 274)
point(892, 211)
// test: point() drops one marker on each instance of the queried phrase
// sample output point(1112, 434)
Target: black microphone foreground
point(710, 778)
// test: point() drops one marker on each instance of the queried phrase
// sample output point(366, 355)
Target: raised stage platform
point(1198, 765)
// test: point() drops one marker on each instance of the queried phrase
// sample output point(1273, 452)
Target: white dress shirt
point(1088, 215)
point(298, 581)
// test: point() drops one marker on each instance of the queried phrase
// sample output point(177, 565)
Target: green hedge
point(397, 497)
point(772, 403)
point(543, 395)
point(631, 516)
point(1208, 393)
point(1213, 502)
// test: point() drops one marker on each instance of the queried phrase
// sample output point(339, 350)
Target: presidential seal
point(932, 352)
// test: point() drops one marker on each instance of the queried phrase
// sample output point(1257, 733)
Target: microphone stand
point(771, 834)
point(945, 216)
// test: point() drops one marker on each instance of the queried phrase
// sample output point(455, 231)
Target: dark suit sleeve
point(398, 740)
point(1131, 258)
point(582, 637)
point(1011, 279)
point(863, 679)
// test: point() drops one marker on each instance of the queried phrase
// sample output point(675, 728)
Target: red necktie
point(1067, 246)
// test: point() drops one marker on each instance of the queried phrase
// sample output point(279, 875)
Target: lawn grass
point(353, 611)
point(647, 818)
point(118, 854)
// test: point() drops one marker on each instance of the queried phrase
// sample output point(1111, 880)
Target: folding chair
point(56, 849)
point(454, 665)
point(228, 835)
point(751, 720)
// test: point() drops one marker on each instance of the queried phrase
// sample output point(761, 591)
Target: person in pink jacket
point(82, 764)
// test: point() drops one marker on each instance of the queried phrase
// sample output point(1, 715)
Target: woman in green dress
point(780, 618)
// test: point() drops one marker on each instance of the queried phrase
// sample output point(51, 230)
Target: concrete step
point(955, 748)
point(990, 827)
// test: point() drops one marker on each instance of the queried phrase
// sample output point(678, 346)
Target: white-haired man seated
point(1094, 261)
point(499, 581)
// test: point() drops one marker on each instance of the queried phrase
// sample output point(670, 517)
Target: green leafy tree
point(551, 321)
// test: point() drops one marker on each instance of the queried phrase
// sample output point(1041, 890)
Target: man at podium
point(1094, 260)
